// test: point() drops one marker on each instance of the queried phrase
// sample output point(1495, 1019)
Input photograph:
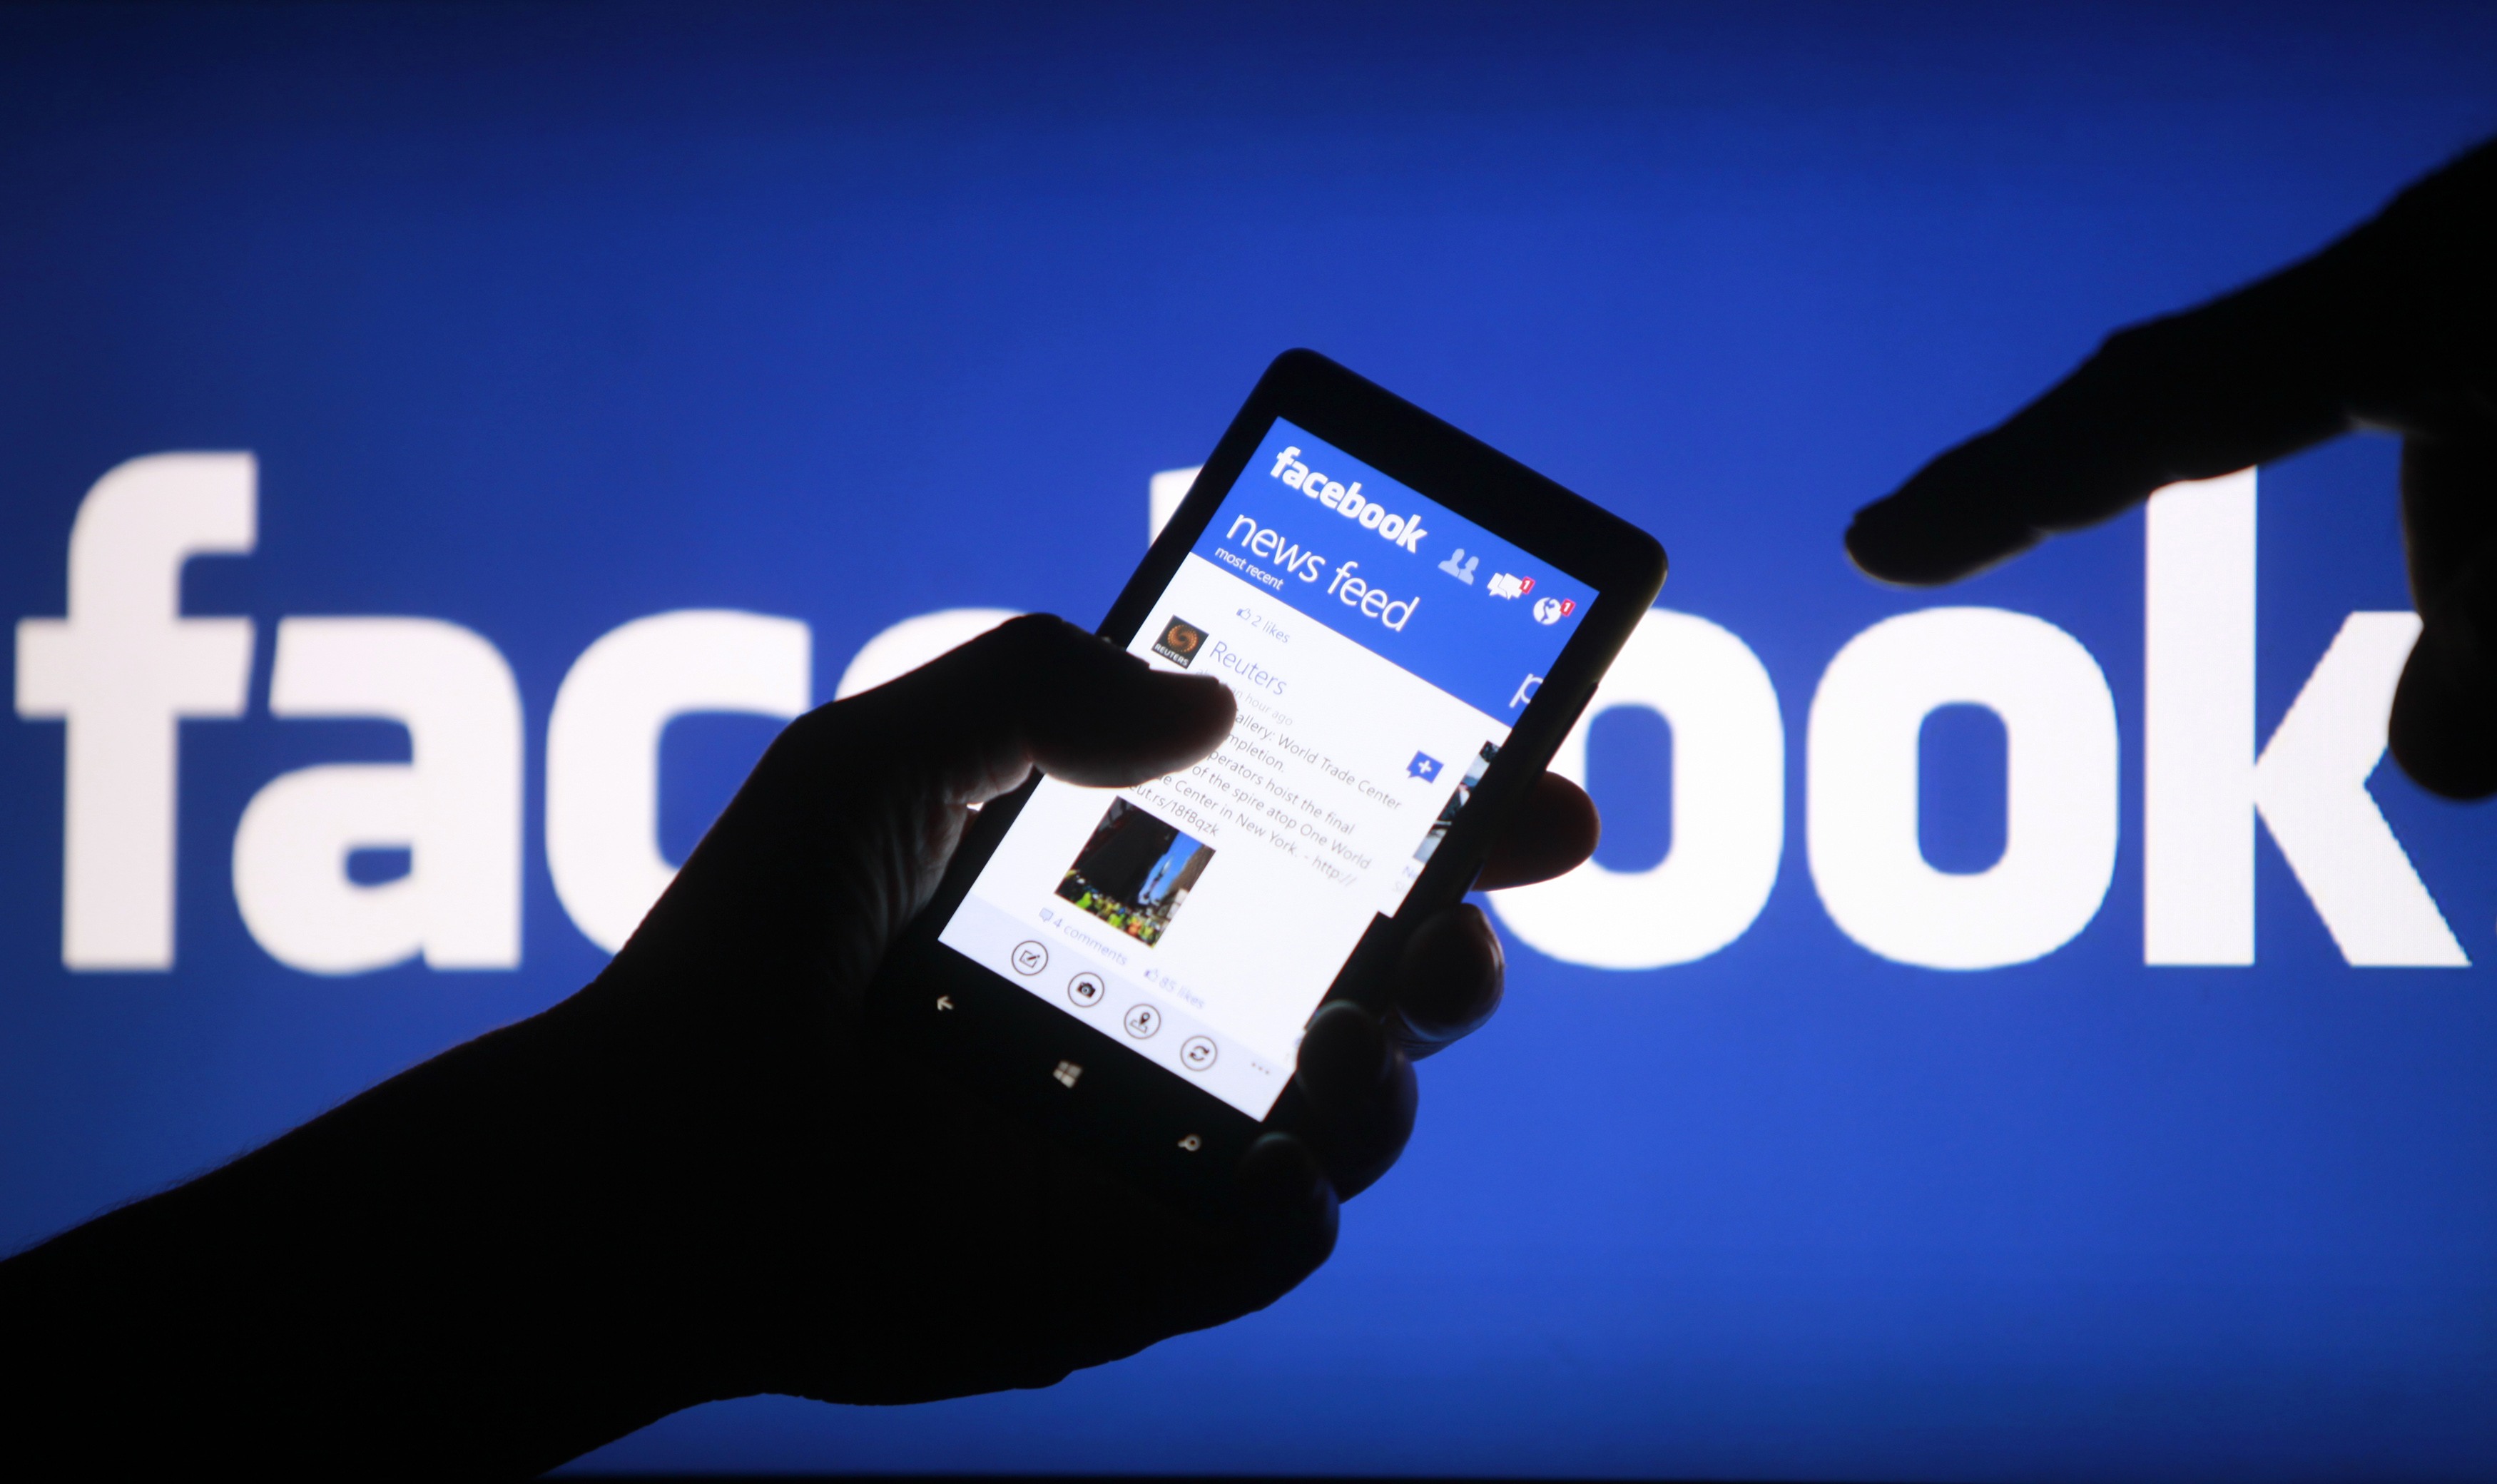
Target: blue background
point(1475, 646)
point(540, 320)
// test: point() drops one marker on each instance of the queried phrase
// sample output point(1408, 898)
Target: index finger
point(1555, 830)
point(2196, 394)
point(2287, 363)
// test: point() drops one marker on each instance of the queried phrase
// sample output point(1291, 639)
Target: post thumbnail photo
point(1462, 795)
point(1134, 871)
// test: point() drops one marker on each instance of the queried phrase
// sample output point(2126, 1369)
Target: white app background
point(1312, 808)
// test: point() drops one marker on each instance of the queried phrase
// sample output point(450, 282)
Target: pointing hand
point(2393, 327)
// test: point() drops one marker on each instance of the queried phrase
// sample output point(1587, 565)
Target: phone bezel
point(978, 1024)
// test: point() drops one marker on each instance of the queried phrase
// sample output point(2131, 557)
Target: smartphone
point(1411, 622)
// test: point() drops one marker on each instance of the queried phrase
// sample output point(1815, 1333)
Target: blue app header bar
point(1394, 571)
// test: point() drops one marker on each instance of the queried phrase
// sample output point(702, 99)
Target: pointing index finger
point(2352, 334)
point(2250, 377)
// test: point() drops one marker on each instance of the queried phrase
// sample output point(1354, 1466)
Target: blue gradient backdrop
point(544, 319)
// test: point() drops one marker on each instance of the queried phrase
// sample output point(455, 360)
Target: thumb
point(1037, 690)
point(2442, 729)
point(842, 832)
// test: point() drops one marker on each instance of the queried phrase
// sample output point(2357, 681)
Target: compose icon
point(1424, 767)
point(1180, 642)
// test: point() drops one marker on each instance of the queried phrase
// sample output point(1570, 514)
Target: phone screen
point(1381, 648)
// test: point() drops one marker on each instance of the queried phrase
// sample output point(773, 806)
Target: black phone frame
point(1150, 1123)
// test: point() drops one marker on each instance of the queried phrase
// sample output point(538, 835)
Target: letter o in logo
point(2060, 805)
point(1372, 513)
point(1392, 528)
point(1729, 785)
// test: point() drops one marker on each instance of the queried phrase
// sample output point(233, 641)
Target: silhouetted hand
point(696, 1179)
point(2392, 327)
